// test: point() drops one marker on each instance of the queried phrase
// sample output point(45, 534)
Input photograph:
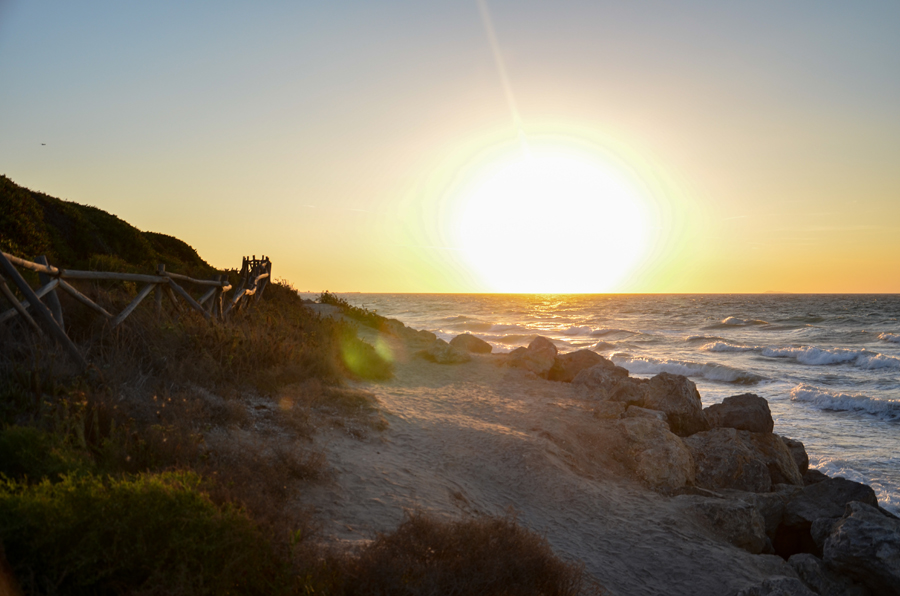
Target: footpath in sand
point(479, 438)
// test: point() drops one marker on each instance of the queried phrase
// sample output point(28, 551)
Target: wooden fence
point(254, 276)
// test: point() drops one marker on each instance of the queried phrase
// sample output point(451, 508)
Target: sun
point(552, 221)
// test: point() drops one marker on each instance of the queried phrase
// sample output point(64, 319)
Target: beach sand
point(480, 438)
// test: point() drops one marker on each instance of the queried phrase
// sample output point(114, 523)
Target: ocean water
point(829, 365)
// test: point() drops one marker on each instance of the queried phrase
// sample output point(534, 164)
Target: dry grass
point(482, 556)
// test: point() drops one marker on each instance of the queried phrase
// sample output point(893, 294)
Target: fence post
point(41, 310)
point(158, 292)
point(52, 298)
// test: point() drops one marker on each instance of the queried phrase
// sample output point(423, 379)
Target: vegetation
point(366, 317)
point(147, 474)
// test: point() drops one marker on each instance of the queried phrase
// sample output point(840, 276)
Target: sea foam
point(813, 356)
point(845, 402)
point(724, 346)
point(891, 337)
point(709, 370)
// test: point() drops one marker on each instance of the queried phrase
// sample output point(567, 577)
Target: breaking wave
point(738, 322)
point(724, 346)
point(894, 338)
point(710, 370)
point(818, 357)
point(845, 402)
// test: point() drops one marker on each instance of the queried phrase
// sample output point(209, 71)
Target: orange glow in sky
point(473, 146)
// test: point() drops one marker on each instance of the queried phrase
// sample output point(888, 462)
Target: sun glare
point(552, 221)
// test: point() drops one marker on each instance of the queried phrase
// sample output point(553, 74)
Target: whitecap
point(737, 322)
point(894, 338)
point(710, 370)
point(813, 356)
point(724, 346)
point(888, 409)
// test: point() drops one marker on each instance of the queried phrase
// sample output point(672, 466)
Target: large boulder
point(677, 396)
point(813, 572)
point(770, 505)
point(538, 357)
point(656, 456)
point(567, 366)
point(865, 545)
point(441, 352)
point(798, 452)
point(736, 521)
point(740, 459)
point(811, 514)
point(608, 381)
point(469, 343)
point(743, 412)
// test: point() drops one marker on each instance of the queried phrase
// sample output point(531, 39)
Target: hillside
point(83, 237)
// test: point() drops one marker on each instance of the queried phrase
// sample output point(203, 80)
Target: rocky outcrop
point(770, 505)
point(743, 460)
point(407, 334)
point(469, 343)
point(654, 454)
point(810, 516)
point(567, 366)
point(674, 395)
point(738, 522)
point(607, 381)
point(778, 586)
point(798, 452)
point(639, 412)
point(441, 352)
point(538, 357)
point(677, 396)
point(865, 545)
point(742, 412)
point(813, 572)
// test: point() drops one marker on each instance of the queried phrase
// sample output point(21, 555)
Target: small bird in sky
point(43, 143)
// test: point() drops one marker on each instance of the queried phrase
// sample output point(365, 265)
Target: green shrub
point(28, 452)
point(157, 534)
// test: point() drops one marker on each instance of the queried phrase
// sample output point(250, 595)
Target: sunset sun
point(552, 221)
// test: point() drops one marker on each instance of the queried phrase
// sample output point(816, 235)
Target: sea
point(829, 365)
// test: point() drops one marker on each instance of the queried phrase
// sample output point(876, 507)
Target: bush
point(28, 452)
point(158, 534)
point(487, 556)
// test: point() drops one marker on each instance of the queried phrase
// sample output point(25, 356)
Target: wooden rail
point(255, 274)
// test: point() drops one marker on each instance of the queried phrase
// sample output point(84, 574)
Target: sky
point(467, 146)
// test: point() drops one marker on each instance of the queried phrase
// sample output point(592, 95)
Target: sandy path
point(478, 438)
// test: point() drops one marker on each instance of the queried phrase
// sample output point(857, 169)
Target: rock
point(798, 452)
point(865, 545)
point(567, 366)
point(781, 465)
point(770, 505)
point(441, 352)
point(743, 412)
point(810, 516)
point(813, 572)
point(677, 396)
point(606, 410)
point(407, 334)
point(813, 476)
point(639, 412)
point(778, 586)
point(604, 380)
point(656, 456)
point(738, 522)
point(538, 357)
point(740, 459)
point(469, 343)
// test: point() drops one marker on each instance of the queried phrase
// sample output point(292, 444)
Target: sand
point(479, 438)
